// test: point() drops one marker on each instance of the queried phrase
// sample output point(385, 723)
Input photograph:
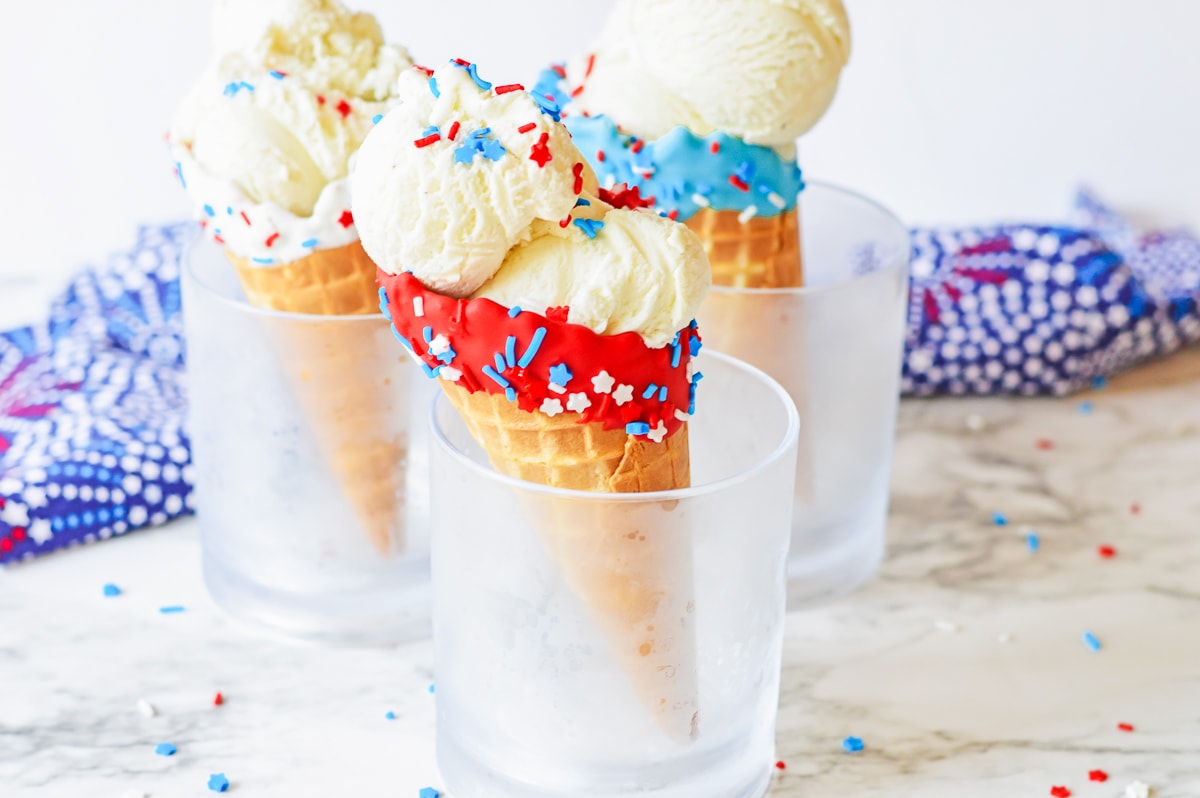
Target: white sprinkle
point(551, 407)
point(450, 373)
point(700, 200)
point(1138, 789)
point(623, 394)
point(975, 422)
point(946, 626)
point(554, 386)
point(146, 708)
point(748, 214)
point(1005, 637)
point(578, 402)
point(681, 415)
point(418, 306)
point(776, 200)
point(658, 433)
point(440, 345)
point(602, 382)
point(643, 171)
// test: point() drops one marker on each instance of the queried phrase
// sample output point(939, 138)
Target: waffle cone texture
point(760, 252)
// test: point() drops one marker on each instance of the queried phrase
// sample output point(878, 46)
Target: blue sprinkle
point(429, 370)
point(499, 361)
point(763, 188)
point(581, 202)
point(510, 351)
point(165, 749)
point(375, 119)
point(275, 73)
point(1086, 408)
point(560, 374)
point(429, 131)
point(112, 590)
point(383, 304)
point(431, 690)
point(676, 352)
point(694, 346)
point(1033, 541)
point(510, 394)
point(547, 106)
point(218, 783)
point(693, 324)
point(465, 153)
point(492, 150)
point(390, 715)
point(429, 792)
point(481, 133)
point(229, 210)
point(246, 86)
point(514, 311)
point(1091, 641)
point(171, 609)
point(448, 356)
point(230, 89)
point(999, 518)
point(589, 226)
point(662, 394)
point(433, 87)
point(650, 389)
point(637, 428)
point(179, 171)
point(495, 376)
point(538, 335)
point(745, 171)
point(427, 334)
point(483, 85)
point(208, 209)
point(852, 745)
point(699, 375)
point(312, 242)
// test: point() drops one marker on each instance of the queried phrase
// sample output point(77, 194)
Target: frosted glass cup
point(836, 346)
point(601, 645)
point(309, 442)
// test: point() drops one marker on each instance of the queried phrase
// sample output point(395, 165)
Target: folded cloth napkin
point(1029, 309)
point(92, 442)
point(92, 406)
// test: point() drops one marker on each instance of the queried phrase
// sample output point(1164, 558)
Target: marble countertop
point(961, 666)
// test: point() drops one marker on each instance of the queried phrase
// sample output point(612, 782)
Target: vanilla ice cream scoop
point(293, 91)
point(762, 70)
point(453, 178)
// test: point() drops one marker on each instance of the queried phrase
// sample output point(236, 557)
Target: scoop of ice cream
point(453, 178)
point(289, 98)
point(621, 270)
point(762, 70)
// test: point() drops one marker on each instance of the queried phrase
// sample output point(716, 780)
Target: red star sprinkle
point(1107, 552)
point(779, 765)
point(1045, 444)
point(346, 219)
point(1125, 727)
point(1097, 775)
point(540, 153)
point(218, 700)
point(559, 313)
point(1060, 792)
point(343, 108)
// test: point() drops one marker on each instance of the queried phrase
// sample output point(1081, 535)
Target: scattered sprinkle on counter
point(1138, 789)
point(852, 745)
point(999, 519)
point(146, 708)
point(390, 715)
point(172, 609)
point(165, 749)
point(1107, 552)
point(111, 590)
point(1060, 792)
point(1032, 540)
point(218, 699)
point(1097, 775)
point(1125, 727)
point(1091, 641)
point(218, 783)
point(428, 792)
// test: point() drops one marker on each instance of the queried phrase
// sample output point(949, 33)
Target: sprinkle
point(531, 351)
point(418, 306)
point(1135, 509)
point(974, 422)
point(1091, 641)
point(245, 218)
point(492, 150)
point(748, 214)
point(602, 383)
point(431, 689)
point(450, 373)
point(780, 765)
point(218, 783)
point(179, 174)
point(465, 153)
point(495, 377)
point(999, 518)
point(146, 708)
point(433, 87)
point(637, 428)
point(551, 407)
point(658, 432)
point(1097, 775)
point(261, 261)
point(701, 200)
point(424, 69)
point(591, 62)
point(1045, 444)
point(560, 374)
point(1032, 541)
point(662, 394)
point(600, 156)
point(852, 745)
point(509, 87)
point(246, 86)
point(578, 90)
point(218, 699)
point(540, 153)
point(510, 394)
point(577, 170)
point(528, 126)
point(430, 139)
point(165, 749)
point(472, 70)
point(171, 609)
point(650, 389)
point(681, 415)
point(453, 130)
point(429, 792)
point(343, 108)
point(208, 209)
point(556, 388)
point(565, 221)
point(271, 239)
point(320, 99)
point(510, 351)
point(558, 313)
point(738, 183)
point(559, 70)
point(389, 715)
point(1138, 789)
point(1107, 552)
point(514, 311)
point(275, 73)
point(715, 147)
point(623, 394)
point(500, 364)
point(460, 62)
point(578, 402)
point(309, 244)
point(1100, 383)
point(637, 146)
point(1060, 792)
point(582, 203)
point(673, 215)
point(589, 226)
point(1125, 727)
point(1086, 408)
point(112, 590)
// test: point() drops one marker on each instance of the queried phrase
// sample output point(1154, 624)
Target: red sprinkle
point(1097, 775)
point(1060, 792)
point(623, 196)
point(780, 765)
point(218, 700)
point(1125, 727)
point(462, 63)
point(320, 99)
point(637, 146)
point(528, 126)
point(559, 313)
point(453, 130)
point(343, 108)
point(566, 221)
point(558, 70)
point(272, 238)
point(430, 139)
point(428, 72)
point(1045, 444)
point(18, 533)
point(577, 170)
point(591, 62)
point(508, 87)
point(218, 238)
point(578, 90)
point(600, 156)
point(673, 215)
point(346, 219)
point(738, 183)
point(245, 218)
point(541, 155)
point(1107, 552)
point(715, 147)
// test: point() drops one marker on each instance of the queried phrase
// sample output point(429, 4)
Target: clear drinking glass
point(309, 442)
point(835, 345)
point(553, 678)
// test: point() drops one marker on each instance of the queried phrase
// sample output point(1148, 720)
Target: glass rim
point(195, 248)
point(790, 436)
point(902, 261)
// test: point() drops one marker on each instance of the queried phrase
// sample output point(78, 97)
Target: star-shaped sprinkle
point(603, 382)
point(560, 374)
point(540, 153)
point(1137, 789)
point(218, 783)
point(346, 219)
point(578, 402)
point(623, 394)
point(439, 345)
point(852, 745)
point(1060, 792)
point(551, 407)
point(1097, 775)
point(450, 373)
point(658, 432)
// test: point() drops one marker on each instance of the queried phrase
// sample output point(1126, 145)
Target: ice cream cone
point(328, 378)
point(759, 252)
point(631, 566)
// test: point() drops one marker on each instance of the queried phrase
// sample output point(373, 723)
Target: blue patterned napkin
point(92, 442)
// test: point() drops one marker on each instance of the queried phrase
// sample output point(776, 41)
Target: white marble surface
point(914, 663)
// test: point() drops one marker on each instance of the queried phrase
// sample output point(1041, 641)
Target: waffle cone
point(761, 252)
point(630, 565)
point(346, 420)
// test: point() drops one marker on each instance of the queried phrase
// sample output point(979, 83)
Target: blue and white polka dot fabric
point(92, 405)
point(1031, 310)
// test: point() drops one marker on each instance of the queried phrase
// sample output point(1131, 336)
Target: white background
point(950, 110)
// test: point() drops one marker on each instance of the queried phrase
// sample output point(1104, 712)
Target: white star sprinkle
point(440, 345)
point(551, 407)
point(658, 433)
point(1138, 789)
point(450, 373)
point(602, 382)
point(578, 402)
point(623, 394)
